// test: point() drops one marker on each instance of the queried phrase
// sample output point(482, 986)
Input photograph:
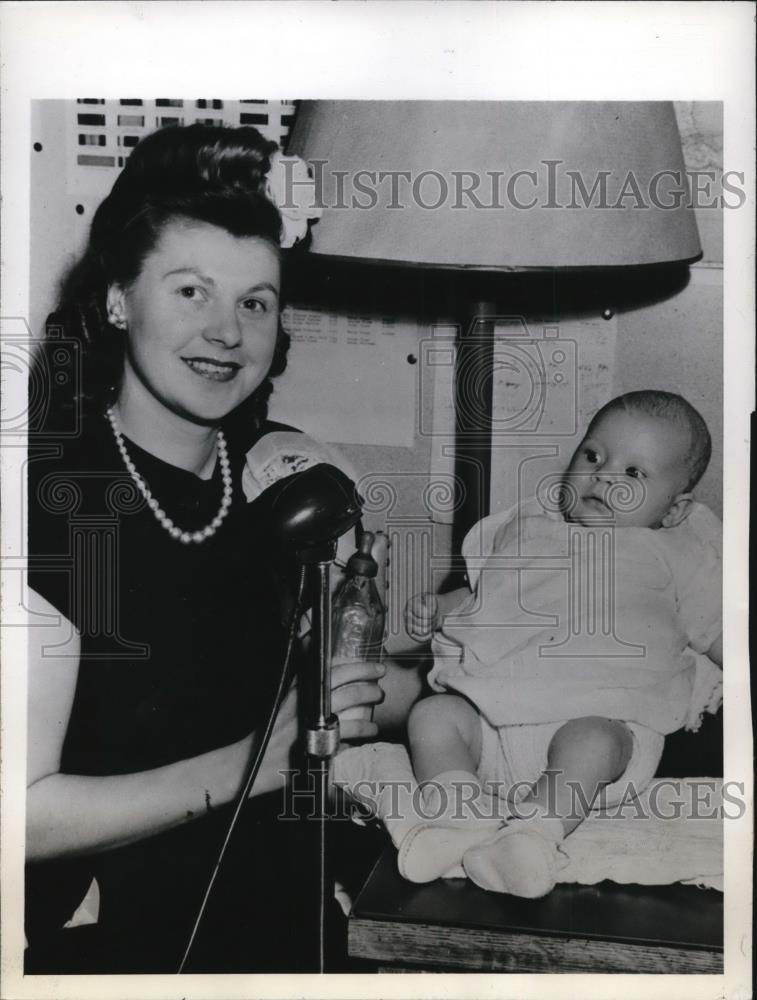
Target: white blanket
point(672, 832)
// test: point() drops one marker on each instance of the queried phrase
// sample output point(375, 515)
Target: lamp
point(495, 186)
point(498, 185)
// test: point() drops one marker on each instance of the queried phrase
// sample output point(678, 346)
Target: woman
point(145, 705)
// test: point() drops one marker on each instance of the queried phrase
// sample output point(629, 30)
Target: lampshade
point(498, 185)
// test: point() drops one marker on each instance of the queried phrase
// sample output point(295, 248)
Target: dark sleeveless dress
point(181, 651)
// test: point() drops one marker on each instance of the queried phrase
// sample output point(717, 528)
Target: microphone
point(308, 508)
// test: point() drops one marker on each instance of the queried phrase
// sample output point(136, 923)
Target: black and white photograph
point(375, 489)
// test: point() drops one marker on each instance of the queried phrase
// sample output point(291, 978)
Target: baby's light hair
point(675, 409)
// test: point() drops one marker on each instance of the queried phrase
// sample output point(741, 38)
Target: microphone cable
point(254, 767)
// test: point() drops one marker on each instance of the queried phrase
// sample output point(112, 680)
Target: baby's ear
point(678, 510)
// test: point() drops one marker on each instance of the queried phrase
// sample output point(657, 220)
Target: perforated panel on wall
point(101, 132)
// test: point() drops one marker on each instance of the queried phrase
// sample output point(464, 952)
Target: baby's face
point(629, 470)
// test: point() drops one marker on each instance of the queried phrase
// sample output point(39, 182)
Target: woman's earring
point(118, 321)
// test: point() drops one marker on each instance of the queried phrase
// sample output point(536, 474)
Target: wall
point(678, 343)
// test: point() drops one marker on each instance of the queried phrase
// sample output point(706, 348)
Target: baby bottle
point(357, 617)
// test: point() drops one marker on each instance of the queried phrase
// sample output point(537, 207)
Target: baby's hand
point(422, 617)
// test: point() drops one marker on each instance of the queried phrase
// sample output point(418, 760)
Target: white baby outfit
point(566, 621)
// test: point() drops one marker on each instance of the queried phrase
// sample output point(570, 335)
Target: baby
point(545, 714)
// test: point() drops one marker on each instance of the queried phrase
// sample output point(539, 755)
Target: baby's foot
point(522, 860)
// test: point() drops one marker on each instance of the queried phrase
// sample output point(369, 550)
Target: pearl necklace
point(183, 536)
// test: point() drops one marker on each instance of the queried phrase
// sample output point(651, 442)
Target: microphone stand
point(321, 725)
point(306, 512)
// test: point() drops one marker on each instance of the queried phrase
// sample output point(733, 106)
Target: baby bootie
point(522, 860)
point(457, 814)
point(430, 852)
point(380, 776)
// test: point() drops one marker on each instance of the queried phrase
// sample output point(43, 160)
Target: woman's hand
point(422, 617)
point(355, 690)
point(276, 762)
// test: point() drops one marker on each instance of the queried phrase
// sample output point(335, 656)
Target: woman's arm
point(70, 814)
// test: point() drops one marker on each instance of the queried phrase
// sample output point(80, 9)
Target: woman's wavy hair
point(207, 174)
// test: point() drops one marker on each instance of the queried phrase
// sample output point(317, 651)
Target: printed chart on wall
point(348, 378)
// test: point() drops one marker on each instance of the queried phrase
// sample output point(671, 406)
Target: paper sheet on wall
point(348, 378)
point(549, 377)
point(548, 380)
